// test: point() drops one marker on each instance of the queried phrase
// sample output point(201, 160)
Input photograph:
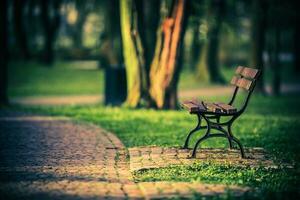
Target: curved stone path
point(56, 158)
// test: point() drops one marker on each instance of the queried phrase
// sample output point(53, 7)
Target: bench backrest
point(244, 78)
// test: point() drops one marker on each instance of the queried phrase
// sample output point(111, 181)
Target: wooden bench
point(245, 78)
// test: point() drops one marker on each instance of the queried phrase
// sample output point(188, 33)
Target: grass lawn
point(63, 78)
point(268, 122)
point(271, 123)
point(70, 78)
point(83, 78)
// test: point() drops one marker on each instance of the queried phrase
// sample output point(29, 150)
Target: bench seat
point(195, 106)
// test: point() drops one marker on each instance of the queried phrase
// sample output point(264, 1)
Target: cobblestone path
point(155, 157)
point(55, 158)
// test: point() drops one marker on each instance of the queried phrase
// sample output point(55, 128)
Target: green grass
point(63, 78)
point(68, 78)
point(270, 123)
point(269, 181)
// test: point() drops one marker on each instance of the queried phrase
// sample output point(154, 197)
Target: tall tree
point(19, 28)
point(148, 18)
point(4, 53)
point(111, 44)
point(50, 16)
point(296, 50)
point(111, 55)
point(216, 13)
point(195, 19)
point(133, 53)
point(276, 62)
point(259, 22)
point(164, 71)
point(163, 74)
point(196, 44)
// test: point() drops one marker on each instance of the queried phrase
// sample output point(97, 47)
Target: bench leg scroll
point(223, 133)
point(186, 143)
point(206, 136)
point(236, 141)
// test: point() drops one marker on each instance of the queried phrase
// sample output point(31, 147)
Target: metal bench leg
point(206, 136)
point(236, 141)
point(230, 143)
point(227, 135)
point(186, 144)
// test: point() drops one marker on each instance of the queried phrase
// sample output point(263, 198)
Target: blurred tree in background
point(50, 16)
point(156, 40)
point(20, 28)
point(4, 53)
point(216, 13)
point(259, 23)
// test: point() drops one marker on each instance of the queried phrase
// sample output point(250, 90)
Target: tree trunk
point(4, 53)
point(111, 42)
point(258, 38)
point(111, 55)
point(196, 47)
point(297, 46)
point(148, 19)
point(202, 73)
point(51, 19)
point(216, 10)
point(19, 28)
point(164, 71)
point(78, 30)
point(133, 54)
point(276, 62)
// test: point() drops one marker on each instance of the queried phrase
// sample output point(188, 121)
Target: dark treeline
point(216, 34)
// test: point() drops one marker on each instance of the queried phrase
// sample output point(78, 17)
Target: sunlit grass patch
point(266, 180)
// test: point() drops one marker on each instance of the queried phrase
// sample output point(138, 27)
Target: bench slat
point(234, 80)
point(213, 108)
point(227, 108)
point(241, 82)
point(190, 106)
point(239, 70)
point(244, 83)
point(249, 72)
point(193, 106)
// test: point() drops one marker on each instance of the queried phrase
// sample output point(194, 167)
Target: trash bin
point(115, 85)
